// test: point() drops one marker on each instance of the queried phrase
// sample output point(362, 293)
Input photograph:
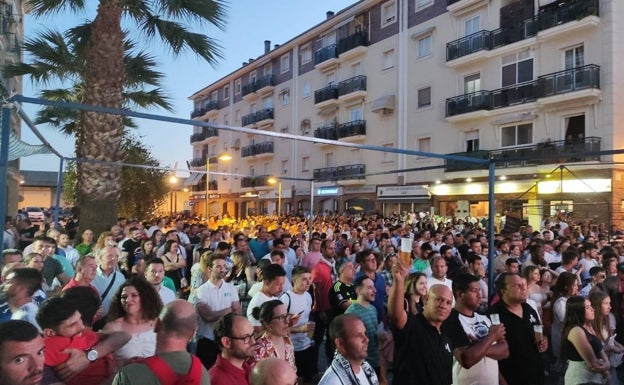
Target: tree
point(99, 136)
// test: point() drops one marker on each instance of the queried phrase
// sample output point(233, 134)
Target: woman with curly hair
point(134, 309)
point(105, 239)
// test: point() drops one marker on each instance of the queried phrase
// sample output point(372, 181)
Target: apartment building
point(530, 84)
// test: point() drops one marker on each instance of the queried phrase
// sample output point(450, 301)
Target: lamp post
point(223, 156)
point(274, 180)
point(172, 180)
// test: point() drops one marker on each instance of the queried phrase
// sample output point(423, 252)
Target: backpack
point(167, 376)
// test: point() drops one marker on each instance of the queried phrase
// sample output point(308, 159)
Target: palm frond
point(144, 99)
point(51, 7)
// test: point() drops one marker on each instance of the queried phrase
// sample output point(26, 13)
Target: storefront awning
point(384, 103)
point(416, 199)
point(194, 178)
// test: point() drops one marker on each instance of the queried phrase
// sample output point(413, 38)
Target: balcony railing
point(548, 17)
point(355, 171)
point(552, 152)
point(358, 39)
point(354, 128)
point(254, 117)
point(327, 93)
point(326, 53)
point(211, 105)
point(556, 83)
point(328, 132)
point(201, 185)
point(198, 162)
point(266, 81)
point(256, 149)
point(356, 83)
point(255, 181)
point(207, 132)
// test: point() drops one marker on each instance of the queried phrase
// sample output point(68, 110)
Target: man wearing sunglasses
point(235, 336)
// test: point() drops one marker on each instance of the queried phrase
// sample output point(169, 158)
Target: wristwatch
point(92, 354)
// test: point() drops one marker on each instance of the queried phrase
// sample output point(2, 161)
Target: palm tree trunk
point(100, 135)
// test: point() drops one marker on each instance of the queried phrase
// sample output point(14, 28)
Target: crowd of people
point(403, 299)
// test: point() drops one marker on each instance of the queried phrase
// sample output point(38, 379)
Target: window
point(424, 97)
point(268, 69)
point(575, 128)
point(285, 98)
point(306, 55)
point(252, 170)
point(388, 157)
point(226, 91)
point(472, 141)
point(517, 135)
point(306, 90)
point(388, 13)
point(285, 63)
point(252, 77)
point(237, 86)
point(388, 59)
point(425, 46)
point(355, 114)
point(305, 164)
point(329, 159)
point(574, 57)
point(284, 167)
point(424, 144)
point(472, 25)
point(268, 103)
point(423, 3)
point(517, 68)
point(214, 96)
point(472, 83)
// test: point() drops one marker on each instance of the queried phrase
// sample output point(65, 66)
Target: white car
point(35, 214)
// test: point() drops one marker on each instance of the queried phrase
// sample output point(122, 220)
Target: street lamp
point(224, 156)
point(172, 180)
point(274, 180)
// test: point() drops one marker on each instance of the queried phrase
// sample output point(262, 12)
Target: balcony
point(210, 106)
point(550, 16)
point(198, 162)
point(262, 117)
point(353, 45)
point(557, 152)
point(258, 150)
point(201, 185)
point(327, 96)
point(261, 86)
point(328, 132)
point(352, 88)
point(255, 181)
point(326, 57)
point(352, 131)
point(352, 174)
point(546, 89)
point(207, 133)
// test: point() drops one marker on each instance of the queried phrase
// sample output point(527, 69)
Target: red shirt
point(73, 283)
point(322, 280)
point(225, 373)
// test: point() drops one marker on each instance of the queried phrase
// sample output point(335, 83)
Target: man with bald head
point(422, 352)
point(175, 326)
point(273, 371)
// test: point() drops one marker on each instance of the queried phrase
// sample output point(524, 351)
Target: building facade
point(529, 83)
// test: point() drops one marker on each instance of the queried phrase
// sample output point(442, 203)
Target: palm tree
point(99, 136)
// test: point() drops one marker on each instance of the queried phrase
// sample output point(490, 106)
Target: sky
point(248, 24)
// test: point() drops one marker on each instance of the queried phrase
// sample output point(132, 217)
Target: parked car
point(35, 214)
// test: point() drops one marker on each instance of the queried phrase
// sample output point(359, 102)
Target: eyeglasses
point(246, 339)
point(282, 318)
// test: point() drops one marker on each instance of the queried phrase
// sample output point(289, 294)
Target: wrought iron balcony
point(354, 171)
point(207, 132)
point(255, 181)
point(552, 152)
point(548, 17)
point(257, 149)
point(327, 93)
point(198, 162)
point(328, 132)
point(266, 81)
point(358, 39)
point(354, 128)
point(254, 117)
point(556, 83)
point(211, 105)
point(326, 53)
point(201, 185)
point(356, 83)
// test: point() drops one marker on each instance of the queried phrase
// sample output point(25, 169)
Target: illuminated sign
point(328, 191)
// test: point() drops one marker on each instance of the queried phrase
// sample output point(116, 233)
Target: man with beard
point(215, 298)
point(129, 249)
point(155, 274)
point(235, 335)
point(21, 354)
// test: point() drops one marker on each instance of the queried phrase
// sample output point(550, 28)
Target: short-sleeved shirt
point(380, 295)
point(296, 304)
point(368, 316)
point(339, 294)
point(463, 331)
point(217, 298)
point(180, 363)
point(257, 301)
point(422, 355)
point(524, 366)
point(101, 283)
point(224, 373)
point(51, 268)
point(322, 280)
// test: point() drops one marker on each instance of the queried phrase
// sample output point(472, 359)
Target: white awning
point(383, 103)
point(194, 178)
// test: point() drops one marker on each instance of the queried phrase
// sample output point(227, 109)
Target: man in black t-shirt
point(130, 248)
